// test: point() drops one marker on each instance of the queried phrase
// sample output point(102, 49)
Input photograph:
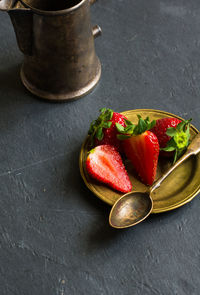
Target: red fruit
point(103, 129)
point(161, 127)
point(141, 148)
point(173, 136)
point(104, 164)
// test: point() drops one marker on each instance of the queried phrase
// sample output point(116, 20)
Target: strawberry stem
point(132, 129)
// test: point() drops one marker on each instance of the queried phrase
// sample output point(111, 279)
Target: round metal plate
point(178, 189)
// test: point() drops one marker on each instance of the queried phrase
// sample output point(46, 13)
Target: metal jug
point(57, 40)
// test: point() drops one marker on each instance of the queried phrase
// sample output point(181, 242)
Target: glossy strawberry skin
point(110, 134)
point(143, 151)
point(161, 127)
point(104, 164)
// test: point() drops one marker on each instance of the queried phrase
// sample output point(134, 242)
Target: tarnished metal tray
point(178, 189)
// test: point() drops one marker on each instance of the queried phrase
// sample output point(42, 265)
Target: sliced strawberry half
point(104, 164)
point(143, 150)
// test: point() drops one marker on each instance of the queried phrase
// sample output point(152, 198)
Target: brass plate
point(178, 189)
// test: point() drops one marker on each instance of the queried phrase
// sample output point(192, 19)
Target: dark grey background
point(54, 233)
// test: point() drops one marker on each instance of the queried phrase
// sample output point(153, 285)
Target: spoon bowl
point(130, 209)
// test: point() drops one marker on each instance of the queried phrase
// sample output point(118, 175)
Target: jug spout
point(21, 18)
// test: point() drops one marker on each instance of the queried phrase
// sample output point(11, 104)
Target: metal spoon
point(134, 207)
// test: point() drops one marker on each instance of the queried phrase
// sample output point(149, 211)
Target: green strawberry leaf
point(142, 126)
point(187, 132)
point(180, 126)
point(91, 128)
point(171, 131)
point(103, 121)
point(168, 149)
point(171, 146)
point(99, 133)
point(128, 122)
point(107, 124)
point(150, 125)
point(102, 110)
point(108, 114)
point(129, 129)
point(179, 139)
point(119, 127)
point(175, 156)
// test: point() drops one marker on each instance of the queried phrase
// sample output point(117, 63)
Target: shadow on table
point(10, 83)
point(13, 89)
point(104, 235)
point(100, 233)
point(172, 214)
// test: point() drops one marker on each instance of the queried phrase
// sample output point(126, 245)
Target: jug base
point(70, 95)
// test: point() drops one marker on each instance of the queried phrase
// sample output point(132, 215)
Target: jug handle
point(96, 31)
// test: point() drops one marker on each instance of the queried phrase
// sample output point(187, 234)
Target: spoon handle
point(193, 149)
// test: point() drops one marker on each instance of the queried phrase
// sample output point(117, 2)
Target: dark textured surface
point(54, 233)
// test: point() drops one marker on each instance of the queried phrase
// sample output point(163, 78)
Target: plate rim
point(154, 211)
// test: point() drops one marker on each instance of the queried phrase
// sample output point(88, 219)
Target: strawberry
point(103, 129)
point(141, 148)
point(104, 164)
point(173, 136)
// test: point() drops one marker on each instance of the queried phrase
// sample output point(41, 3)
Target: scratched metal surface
point(54, 233)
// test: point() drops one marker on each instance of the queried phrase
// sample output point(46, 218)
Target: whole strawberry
point(141, 148)
point(173, 136)
point(104, 164)
point(103, 129)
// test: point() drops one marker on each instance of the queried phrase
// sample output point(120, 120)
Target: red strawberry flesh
point(104, 164)
point(143, 150)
